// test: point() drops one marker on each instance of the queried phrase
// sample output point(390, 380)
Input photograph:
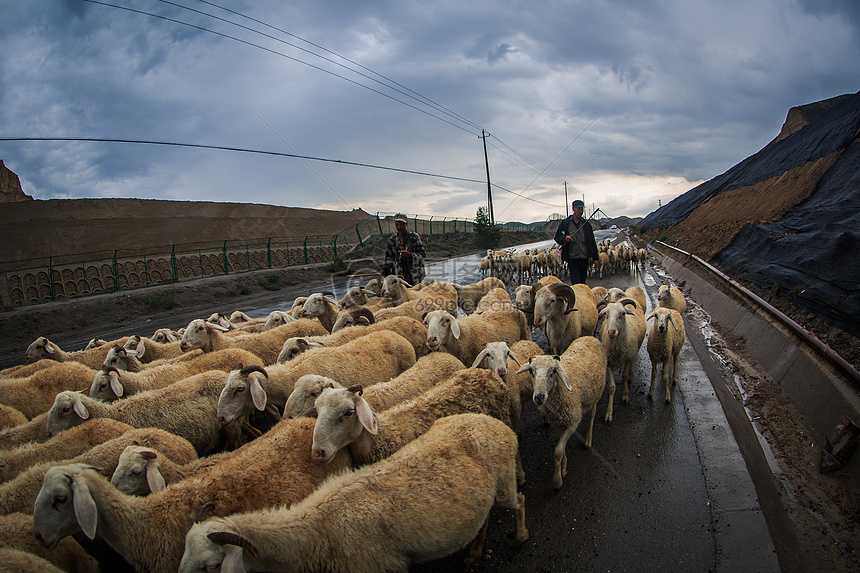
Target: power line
point(272, 153)
point(271, 51)
point(386, 78)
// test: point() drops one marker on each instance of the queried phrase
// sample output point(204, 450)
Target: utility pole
point(566, 214)
point(489, 187)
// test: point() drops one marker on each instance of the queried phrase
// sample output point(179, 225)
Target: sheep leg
point(608, 417)
point(476, 547)
point(588, 432)
point(521, 534)
point(521, 474)
point(666, 380)
point(654, 366)
point(560, 455)
point(626, 375)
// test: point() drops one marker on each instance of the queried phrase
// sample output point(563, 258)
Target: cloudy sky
point(629, 102)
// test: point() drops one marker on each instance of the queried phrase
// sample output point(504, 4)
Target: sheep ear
point(479, 358)
point(85, 508)
point(80, 409)
point(672, 319)
point(115, 384)
point(524, 368)
point(650, 316)
point(365, 415)
point(213, 326)
point(140, 349)
point(233, 559)
point(154, 478)
point(258, 395)
point(49, 349)
point(563, 376)
point(455, 328)
point(513, 357)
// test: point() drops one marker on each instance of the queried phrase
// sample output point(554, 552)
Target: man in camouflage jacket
point(404, 254)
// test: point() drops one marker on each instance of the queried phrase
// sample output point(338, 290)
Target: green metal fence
point(50, 278)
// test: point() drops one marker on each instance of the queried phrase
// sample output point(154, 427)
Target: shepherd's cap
point(400, 217)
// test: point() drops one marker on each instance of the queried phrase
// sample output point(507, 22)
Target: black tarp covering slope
point(813, 253)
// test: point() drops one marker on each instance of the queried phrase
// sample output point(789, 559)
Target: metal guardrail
point(82, 274)
point(755, 301)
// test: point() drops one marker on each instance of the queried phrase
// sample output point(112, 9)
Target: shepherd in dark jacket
point(578, 246)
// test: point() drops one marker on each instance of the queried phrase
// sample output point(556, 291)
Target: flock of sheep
point(360, 434)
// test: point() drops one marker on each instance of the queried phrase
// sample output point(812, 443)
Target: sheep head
point(137, 472)
point(277, 318)
point(553, 300)
point(68, 410)
point(343, 416)
point(294, 346)
point(302, 400)
point(242, 393)
point(200, 334)
point(64, 505)
point(441, 326)
point(214, 545)
point(545, 371)
point(496, 355)
point(106, 385)
point(42, 348)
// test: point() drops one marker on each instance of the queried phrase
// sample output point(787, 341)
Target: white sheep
point(324, 309)
point(138, 471)
point(165, 335)
point(277, 318)
point(110, 384)
point(409, 328)
point(42, 348)
point(430, 294)
point(465, 337)
point(469, 295)
point(373, 358)
point(671, 297)
point(341, 528)
point(524, 295)
point(149, 532)
point(209, 337)
point(19, 494)
point(634, 292)
point(643, 258)
point(423, 375)
point(355, 296)
point(187, 408)
point(665, 341)
point(34, 395)
point(505, 361)
point(352, 316)
point(346, 420)
point(582, 371)
point(497, 299)
point(621, 332)
point(555, 308)
point(66, 444)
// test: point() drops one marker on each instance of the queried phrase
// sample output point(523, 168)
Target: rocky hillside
point(10, 187)
point(786, 219)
